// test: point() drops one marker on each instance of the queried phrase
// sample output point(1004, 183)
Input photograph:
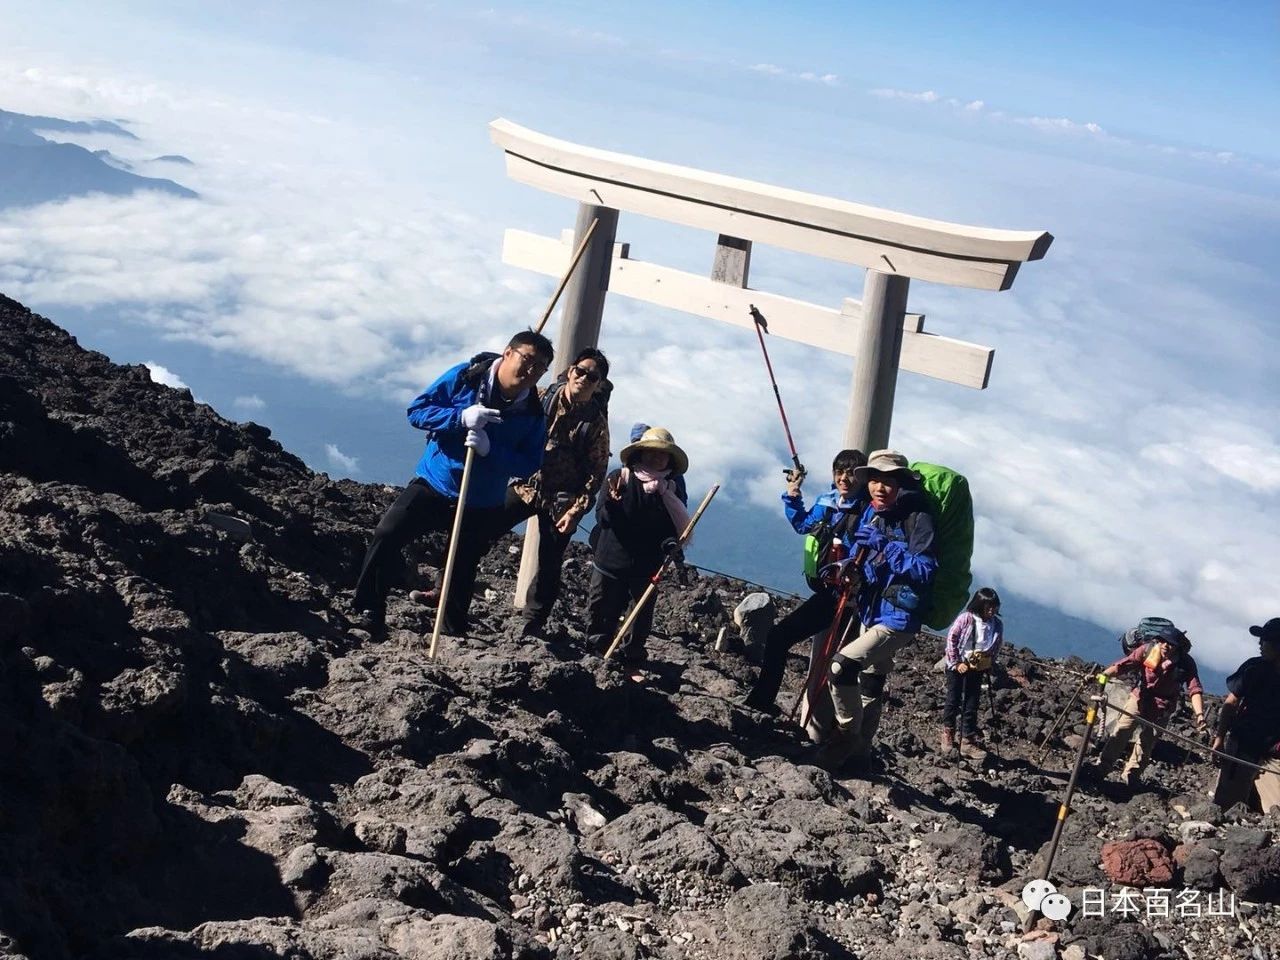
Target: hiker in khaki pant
point(1249, 726)
point(1163, 666)
point(894, 545)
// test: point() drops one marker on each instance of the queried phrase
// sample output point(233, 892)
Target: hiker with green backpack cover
point(895, 548)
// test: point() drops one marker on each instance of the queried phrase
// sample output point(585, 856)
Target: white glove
point(479, 440)
point(477, 416)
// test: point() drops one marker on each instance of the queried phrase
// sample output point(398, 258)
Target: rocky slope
point(201, 758)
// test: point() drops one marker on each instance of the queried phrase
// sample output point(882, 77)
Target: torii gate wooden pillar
point(877, 332)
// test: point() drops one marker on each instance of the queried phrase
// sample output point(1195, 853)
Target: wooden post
point(875, 372)
point(579, 327)
point(733, 261)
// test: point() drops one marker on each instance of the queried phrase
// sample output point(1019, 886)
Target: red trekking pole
point(762, 327)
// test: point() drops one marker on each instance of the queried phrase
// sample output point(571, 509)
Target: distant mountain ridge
point(35, 170)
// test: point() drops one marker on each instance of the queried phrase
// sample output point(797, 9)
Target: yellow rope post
point(1064, 809)
point(653, 581)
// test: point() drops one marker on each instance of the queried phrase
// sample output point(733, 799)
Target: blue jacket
point(516, 444)
point(826, 507)
point(897, 578)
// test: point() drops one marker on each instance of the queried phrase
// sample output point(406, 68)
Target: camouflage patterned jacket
point(576, 455)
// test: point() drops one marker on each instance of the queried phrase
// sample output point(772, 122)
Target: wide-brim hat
point(885, 461)
point(656, 438)
point(1269, 631)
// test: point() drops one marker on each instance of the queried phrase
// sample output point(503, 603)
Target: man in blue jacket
point(488, 404)
point(895, 542)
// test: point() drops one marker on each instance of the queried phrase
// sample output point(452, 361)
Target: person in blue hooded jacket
point(488, 404)
point(840, 508)
point(894, 543)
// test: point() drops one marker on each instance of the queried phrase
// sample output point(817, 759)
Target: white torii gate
point(878, 332)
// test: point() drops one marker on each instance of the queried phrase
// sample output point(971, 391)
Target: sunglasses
point(591, 376)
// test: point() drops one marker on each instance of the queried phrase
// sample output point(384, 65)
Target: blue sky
point(346, 246)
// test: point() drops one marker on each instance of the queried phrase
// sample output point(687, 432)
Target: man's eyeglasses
point(531, 362)
point(587, 374)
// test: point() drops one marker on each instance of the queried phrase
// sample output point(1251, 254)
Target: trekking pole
point(1090, 720)
point(762, 327)
point(657, 575)
point(471, 455)
point(564, 281)
point(1057, 724)
point(816, 678)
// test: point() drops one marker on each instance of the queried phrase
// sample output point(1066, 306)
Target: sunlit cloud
point(339, 460)
point(163, 375)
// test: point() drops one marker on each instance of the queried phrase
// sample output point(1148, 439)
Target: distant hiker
point(1163, 666)
point(639, 516)
point(895, 540)
point(830, 524)
point(973, 643)
point(1249, 725)
point(488, 404)
point(564, 488)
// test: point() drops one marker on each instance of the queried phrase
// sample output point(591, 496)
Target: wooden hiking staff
point(564, 281)
point(453, 549)
point(653, 581)
point(471, 454)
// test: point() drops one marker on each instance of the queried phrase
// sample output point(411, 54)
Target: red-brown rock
point(1137, 863)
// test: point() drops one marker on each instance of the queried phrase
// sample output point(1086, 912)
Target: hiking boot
point(838, 749)
point(428, 598)
point(755, 701)
point(534, 628)
point(972, 750)
point(948, 742)
point(372, 622)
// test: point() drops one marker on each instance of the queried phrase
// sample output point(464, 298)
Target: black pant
point(964, 696)
point(552, 545)
point(804, 621)
point(420, 509)
point(607, 600)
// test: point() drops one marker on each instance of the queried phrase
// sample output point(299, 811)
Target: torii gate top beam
point(883, 240)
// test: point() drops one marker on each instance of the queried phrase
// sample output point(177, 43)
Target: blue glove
point(871, 538)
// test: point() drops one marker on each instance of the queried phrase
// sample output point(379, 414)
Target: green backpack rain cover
point(952, 507)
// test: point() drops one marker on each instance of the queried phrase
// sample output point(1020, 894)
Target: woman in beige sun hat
point(639, 515)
